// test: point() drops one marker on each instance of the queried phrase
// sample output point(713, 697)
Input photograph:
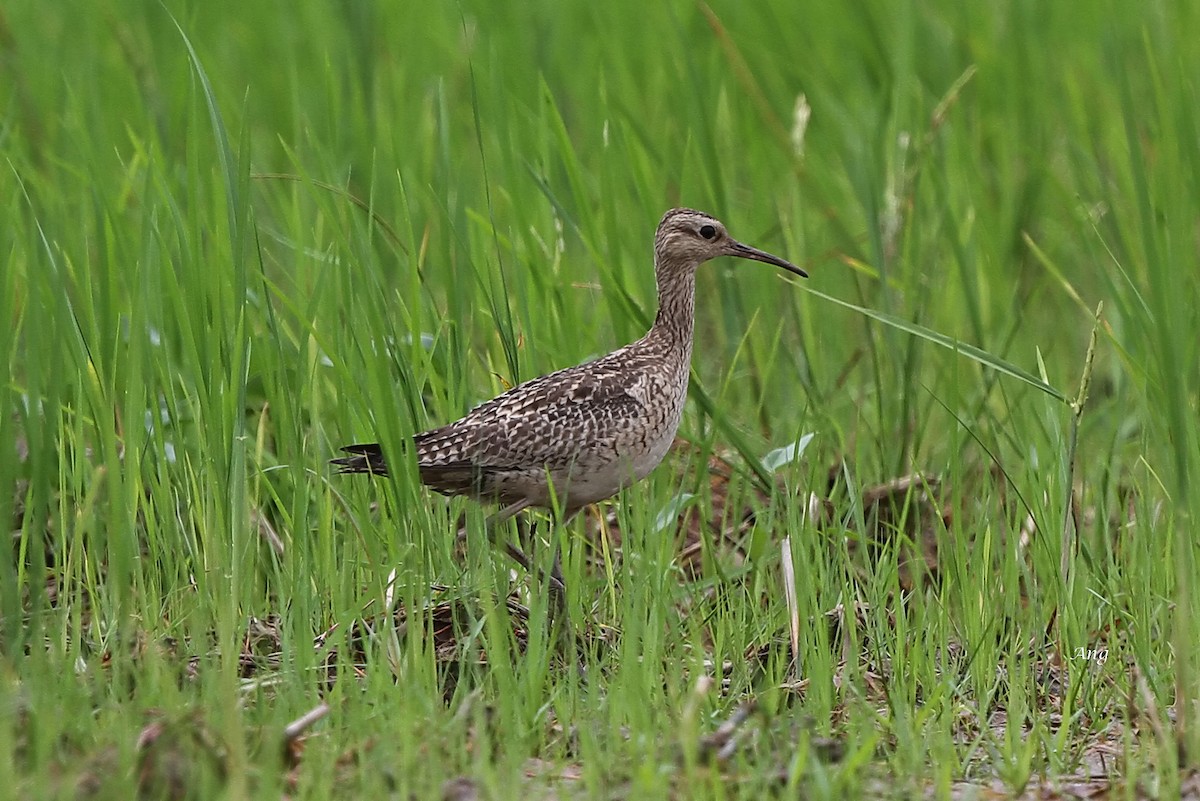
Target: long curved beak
point(746, 252)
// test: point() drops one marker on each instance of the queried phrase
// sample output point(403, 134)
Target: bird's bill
point(747, 252)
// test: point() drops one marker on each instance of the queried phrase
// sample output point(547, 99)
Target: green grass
point(239, 235)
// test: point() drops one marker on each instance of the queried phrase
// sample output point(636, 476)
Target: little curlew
point(582, 434)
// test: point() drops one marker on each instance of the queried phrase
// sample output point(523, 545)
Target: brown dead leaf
point(906, 507)
point(177, 755)
point(444, 619)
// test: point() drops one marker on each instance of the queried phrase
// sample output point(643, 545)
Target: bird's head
point(687, 238)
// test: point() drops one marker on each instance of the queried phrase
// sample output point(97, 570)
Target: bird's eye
point(708, 231)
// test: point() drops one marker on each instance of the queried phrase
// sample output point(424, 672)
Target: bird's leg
point(558, 587)
point(570, 637)
point(492, 527)
point(527, 531)
point(567, 516)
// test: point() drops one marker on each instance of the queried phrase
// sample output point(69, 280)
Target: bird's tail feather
point(362, 459)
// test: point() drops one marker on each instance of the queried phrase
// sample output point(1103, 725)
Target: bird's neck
point(674, 325)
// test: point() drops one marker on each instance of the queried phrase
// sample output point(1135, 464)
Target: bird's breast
point(649, 437)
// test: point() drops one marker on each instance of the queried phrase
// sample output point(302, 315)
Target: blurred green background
point(239, 235)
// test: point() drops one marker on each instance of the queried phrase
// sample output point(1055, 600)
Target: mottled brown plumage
point(582, 434)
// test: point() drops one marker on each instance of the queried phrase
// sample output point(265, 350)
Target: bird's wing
point(541, 423)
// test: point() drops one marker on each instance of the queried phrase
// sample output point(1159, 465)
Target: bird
point(582, 434)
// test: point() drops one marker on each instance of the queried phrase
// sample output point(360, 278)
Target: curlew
point(584, 433)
